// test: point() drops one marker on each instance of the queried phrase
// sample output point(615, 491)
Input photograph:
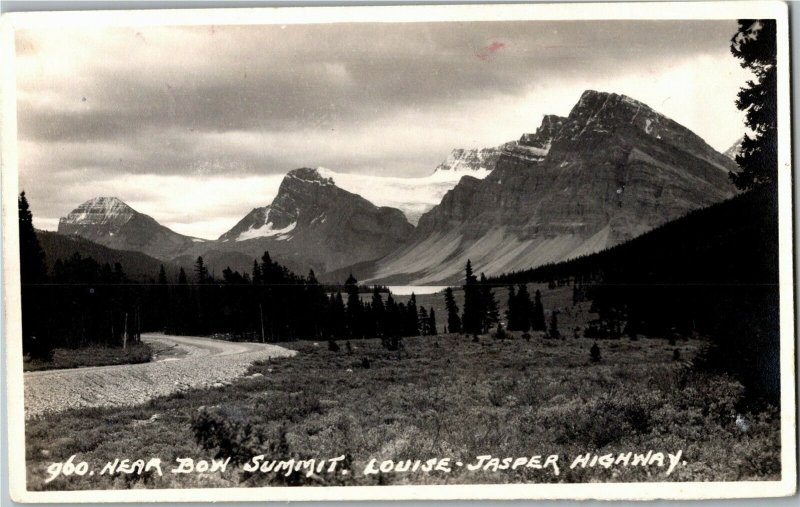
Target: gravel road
point(183, 362)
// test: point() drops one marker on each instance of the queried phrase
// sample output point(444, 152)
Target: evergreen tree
point(338, 319)
point(553, 332)
point(491, 314)
point(537, 318)
point(471, 320)
point(184, 305)
point(314, 303)
point(432, 323)
point(391, 321)
point(526, 309)
point(200, 271)
point(33, 272)
point(594, 353)
point(378, 311)
point(512, 313)
point(755, 44)
point(163, 306)
point(453, 320)
point(423, 321)
point(353, 307)
point(412, 317)
point(32, 265)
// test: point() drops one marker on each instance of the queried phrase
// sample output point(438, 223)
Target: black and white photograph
point(442, 252)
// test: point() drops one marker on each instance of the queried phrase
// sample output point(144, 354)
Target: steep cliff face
point(112, 223)
point(614, 169)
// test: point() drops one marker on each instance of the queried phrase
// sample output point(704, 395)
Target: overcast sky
point(195, 126)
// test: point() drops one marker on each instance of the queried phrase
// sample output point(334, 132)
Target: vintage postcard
point(415, 252)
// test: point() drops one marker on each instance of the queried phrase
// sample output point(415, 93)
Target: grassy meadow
point(93, 355)
point(440, 397)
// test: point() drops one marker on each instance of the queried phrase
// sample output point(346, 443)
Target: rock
point(612, 170)
point(256, 375)
point(45, 453)
point(112, 223)
point(314, 222)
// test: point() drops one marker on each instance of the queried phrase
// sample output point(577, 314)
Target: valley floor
point(441, 397)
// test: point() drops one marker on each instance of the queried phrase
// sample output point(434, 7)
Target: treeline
point(81, 301)
point(273, 304)
point(481, 312)
point(711, 273)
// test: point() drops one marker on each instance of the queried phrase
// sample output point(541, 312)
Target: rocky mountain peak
point(112, 223)
point(535, 147)
point(99, 211)
point(308, 175)
point(468, 161)
point(550, 127)
point(734, 149)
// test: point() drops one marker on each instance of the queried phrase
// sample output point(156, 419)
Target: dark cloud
point(391, 98)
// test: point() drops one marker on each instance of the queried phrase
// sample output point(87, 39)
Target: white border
point(297, 15)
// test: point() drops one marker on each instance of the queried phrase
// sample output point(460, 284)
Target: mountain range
point(608, 172)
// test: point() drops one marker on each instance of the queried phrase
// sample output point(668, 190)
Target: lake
point(406, 290)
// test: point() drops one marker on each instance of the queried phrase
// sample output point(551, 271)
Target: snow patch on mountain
point(267, 230)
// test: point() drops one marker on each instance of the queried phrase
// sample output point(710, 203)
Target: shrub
point(594, 353)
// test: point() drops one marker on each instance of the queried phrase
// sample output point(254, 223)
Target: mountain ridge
point(614, 169)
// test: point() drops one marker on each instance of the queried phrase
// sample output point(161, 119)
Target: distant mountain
point(467, 161)
point(734, 149)
point(412, 196)
point(137, 266)
point(312, 223)
point(112, 223)
point(612, 170)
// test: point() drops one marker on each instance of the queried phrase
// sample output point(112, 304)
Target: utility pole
point(125, 334)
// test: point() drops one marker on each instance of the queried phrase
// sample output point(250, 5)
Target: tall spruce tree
point(412, 317)
point(453, 320)
point(472, 319)
point(490, 313)
point(163, 306)
point(432, 323)
point(200, 271)
point(423, 321)
point(378, 311)
point(353, 307)
point(33, 272)
point(512, 313)
point(755, 44)
point(537, 317)
point(525, 309)
point(314, 302)
point(553, 331)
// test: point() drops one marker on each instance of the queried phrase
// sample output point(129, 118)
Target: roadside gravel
point(202, 362)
